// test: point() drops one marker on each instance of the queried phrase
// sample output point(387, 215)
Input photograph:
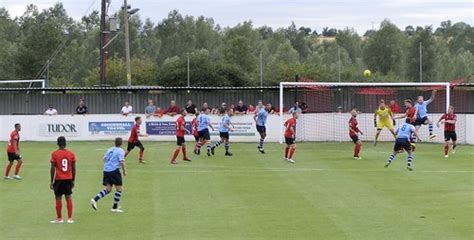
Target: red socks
point(292, 151)
point(140, 155)
point(287, 149)
point(357, 149)
point(18, 167)
point(446, 149)
point(7, 171)
point(183, 149)
point(175, 155)
point(59, 207)
point(69, 208)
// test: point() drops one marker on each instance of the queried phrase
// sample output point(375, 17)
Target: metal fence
point(110, 102)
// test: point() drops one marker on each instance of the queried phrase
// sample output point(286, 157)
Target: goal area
point(326, 108)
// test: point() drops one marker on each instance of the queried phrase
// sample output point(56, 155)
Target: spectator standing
point(295, 109)
point(206, 106)
point(394, 107)
point(190, 107)
point(51, 111)
point(304, 107)
point(126, 109)
point(241, 108)
point(81, 107)
point(271, 109)
point(251, 109)
point(173, 109)
point(150, 108)
point(158, 112)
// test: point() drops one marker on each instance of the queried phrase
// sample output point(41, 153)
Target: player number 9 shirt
point(63, 160)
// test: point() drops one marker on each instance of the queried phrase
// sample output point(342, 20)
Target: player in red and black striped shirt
point(354, 133)
point(449, 121)
point(133, 140)
point(180, 142)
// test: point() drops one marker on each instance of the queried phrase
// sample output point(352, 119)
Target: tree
point(350, 41)
point(384, 50)
point(430, 57)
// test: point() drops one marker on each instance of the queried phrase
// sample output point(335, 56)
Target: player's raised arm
point(432, 98)
point(441, 120)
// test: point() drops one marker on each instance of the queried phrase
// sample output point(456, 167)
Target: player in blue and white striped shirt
point(225, 127)
point(404, 134)
point(114, 159)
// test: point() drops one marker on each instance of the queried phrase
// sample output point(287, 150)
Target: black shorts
point(261, 129)
point(402, 143)
point(138, 144)
point(180, 140)
point(112, 178)
point(62, 187)
point(224, 135)
point(450, 136)
point(204, 134)
point(289, 141)
point(355, 138)
point(420, 121)
point(13, 156)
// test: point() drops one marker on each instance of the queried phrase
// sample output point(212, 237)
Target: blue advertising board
point(110, 128)
point(165, 128)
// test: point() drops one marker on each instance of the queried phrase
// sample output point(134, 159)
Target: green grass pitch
point(325, 195)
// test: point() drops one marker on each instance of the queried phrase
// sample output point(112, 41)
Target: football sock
point(357, 149)
point(140, 154)
point(69, 208)
point(199, 145)
point(446, 149)
point(409, 159)
point(454, 146)
point(59, 207)
point(208, 146)
point(9, 167)
point(227, 147)
point(101, 194)
point(391, 158)
point(430, 128)
point(117, 199)
point(175, 155)
point(18, 167)
point(260, 144)
point(217, 143)
point(183, 149)
point(287, 149)
point(292, 151)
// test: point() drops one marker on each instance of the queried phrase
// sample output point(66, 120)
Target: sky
point(316, 14)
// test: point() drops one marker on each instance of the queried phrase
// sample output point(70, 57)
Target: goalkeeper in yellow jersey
point(385, 119)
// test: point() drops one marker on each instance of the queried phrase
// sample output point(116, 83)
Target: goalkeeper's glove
point(394, 122)
point(375, 123)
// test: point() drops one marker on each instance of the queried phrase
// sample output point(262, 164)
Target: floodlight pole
point(189, 74)
point(421, 62)
point(127, 44)
point(104, 34)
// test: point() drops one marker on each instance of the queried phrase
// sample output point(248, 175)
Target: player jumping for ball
point(422, 114)
point(180, 141)
point(63, 173)
point(449, 120)
point(385, 117)
point(133, 140)
point(225, 127)
point(260, 121)
point(404, 134)
point(290, 136)
point(410, 112)
point(354, 132)
point(114, 159)
point(13, 152)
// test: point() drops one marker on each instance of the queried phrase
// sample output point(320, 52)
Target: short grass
point(325, 195)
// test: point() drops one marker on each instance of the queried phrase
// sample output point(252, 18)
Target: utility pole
point(421, 62)
point(127, 44)
point(261, 69)
point(104, 38)
point(189, 75)
point(339, 63)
